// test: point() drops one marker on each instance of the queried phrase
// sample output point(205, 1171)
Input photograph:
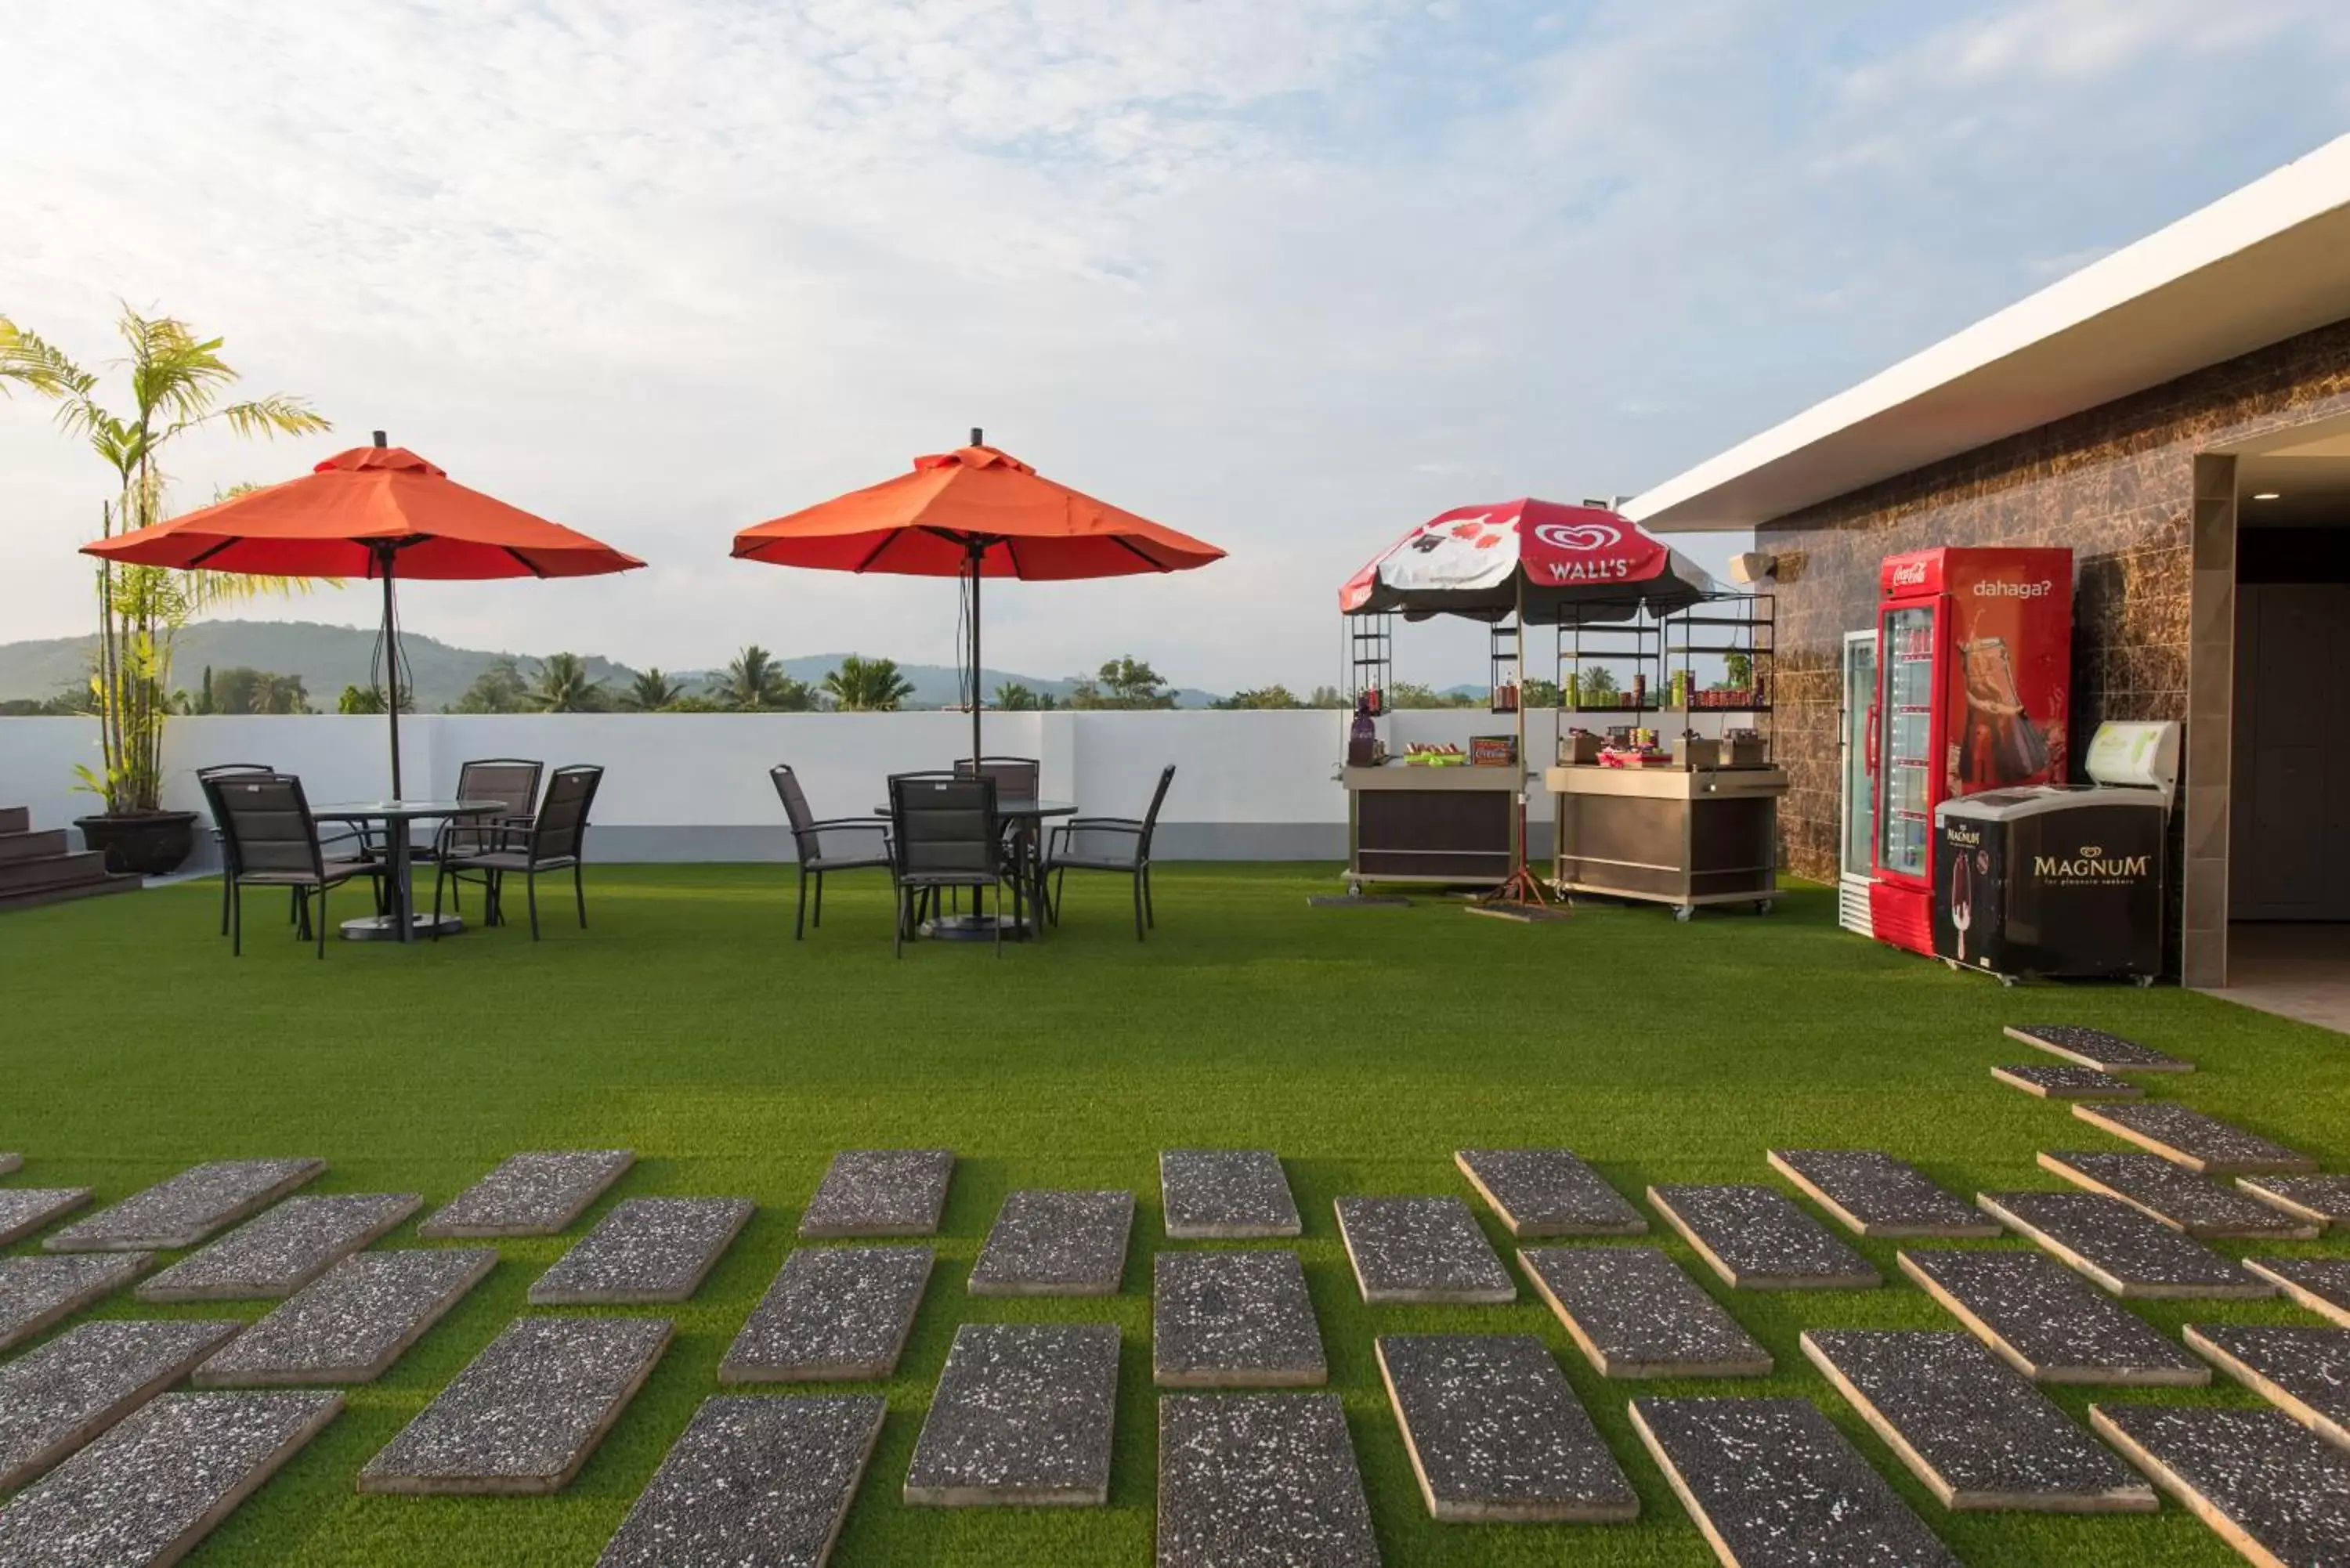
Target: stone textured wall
point(2116, 484)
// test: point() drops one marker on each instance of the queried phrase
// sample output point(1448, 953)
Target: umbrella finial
point(380, 441)
point(978, 436)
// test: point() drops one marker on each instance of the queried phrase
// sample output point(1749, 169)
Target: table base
point(977, 927)
point(386, 928)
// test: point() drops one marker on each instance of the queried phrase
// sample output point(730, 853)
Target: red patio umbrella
point(379, 512)
point(972, 513)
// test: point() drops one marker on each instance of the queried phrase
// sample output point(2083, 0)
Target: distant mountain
point(329, 657)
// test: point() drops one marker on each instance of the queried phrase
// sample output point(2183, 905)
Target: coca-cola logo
point(1908, 574)
point(1578, 536)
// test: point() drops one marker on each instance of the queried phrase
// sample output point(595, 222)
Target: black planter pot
point(143, 844)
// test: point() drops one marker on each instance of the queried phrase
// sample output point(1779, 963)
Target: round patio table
point(1028, 817)
point(402, 924)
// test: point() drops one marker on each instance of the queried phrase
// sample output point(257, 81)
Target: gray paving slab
point(647, 1252)
point(1970, 1426)
point(2096, 1048)
point(2175, 1196)
point(1023, 1414)
point(880, 1192)
point(10, 1163)
point(1495, 1434)
point(1226, 1195)
point(147, 1492)
point(2188, 1137)
point(1421, 1250)
point(2277, 1494)
point(283, 1248)
point(37, 1291)
point(2321, 1199)
point(2047, 1323)
point(1260, 1481)
point(1054, 1243)
point(832, 1314)
point(352, 1323)
point(1233, 1320)
point(55, 1398)
point(2321, 1285)
point(525, 1413)
point(2303, 1371)
point(2104, 1240)
point(1544, 1192)
point(2068, 1081)
point(753, 1482)
point(186, 1208)
point(534, 1194)
point(1757, 1239)
point(1773, 1484)
point(25, 1210)
point(1873, 1194)
point(1634, 1313)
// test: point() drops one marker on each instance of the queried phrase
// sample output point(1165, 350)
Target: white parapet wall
point(694, 786)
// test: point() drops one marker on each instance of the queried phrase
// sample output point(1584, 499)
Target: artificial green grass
point(1365, 1045)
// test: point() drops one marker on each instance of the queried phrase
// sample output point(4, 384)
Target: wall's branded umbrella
point(1475, 561)
point(972, 513)
point(375, 512)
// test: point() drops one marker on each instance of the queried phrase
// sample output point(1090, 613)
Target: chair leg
point(321, 920)
point(579, 893)
point(236, 920)
point(440, 878)
point(819, 900)
point(1149, 909)
point(1138, 906)
point(999, 912)
point(905, 902)
point(799, 921)
point(530, 894)
point(228, 884)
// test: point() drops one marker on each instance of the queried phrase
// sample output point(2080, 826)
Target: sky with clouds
point(1287, 276)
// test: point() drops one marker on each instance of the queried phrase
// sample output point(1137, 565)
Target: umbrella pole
point(391, 664)
point(977, 551)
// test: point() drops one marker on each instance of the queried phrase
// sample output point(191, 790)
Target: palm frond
point(31, 361)
point(174, 372)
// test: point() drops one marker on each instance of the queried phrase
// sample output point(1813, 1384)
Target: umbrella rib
point(528, 564)
point(205, 556)
point(1129, 544)
point(888, 539)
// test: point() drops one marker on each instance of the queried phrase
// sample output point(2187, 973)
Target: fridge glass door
point(1858, 797)
point(1905, 770)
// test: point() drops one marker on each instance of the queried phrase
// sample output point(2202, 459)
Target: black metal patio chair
point(1016, 778)
point(944, 834)
point(269, 839)
point(555, 840)
point(827, 843)
point(512, 783)
point(1116, 844)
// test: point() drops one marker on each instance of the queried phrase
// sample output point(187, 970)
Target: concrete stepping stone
point(37, 1292)
point(1260, 1481)
point(1634, 1313)
point(1049, 1243)
point(2049, 1325)
point(147, 1492)
point(1421, 1250)
point(1873, 1194)
point(2069, 1081)
point(2303, 1371)
point(753, 1482)
point(1774, 1484)
point(832, 1314)
point(538, 1194)
point(1495, 1434)
point(2274, 1493)
point(880, 1192)
point(25, 1210)
point(283, 1250)
point(2095, 1048)
point(2106, 1240)
point(1970, 1426)
point(55, 1398)
point(1022, 1416)
point(352, 1323)
point(1226, 1195)
point(1757, 1239)
point(2322, 1199)
point(2322, 1285)
point(186, 1208)
point(11, 1163)
point(1233, 1320)
point(648, 1252)
point(2190, 1138)
point(1544, 1192)
point(525, 1413)
point(2175, 1196)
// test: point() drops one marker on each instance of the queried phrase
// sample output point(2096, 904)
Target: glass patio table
point(1026, 817)
point(403, 923)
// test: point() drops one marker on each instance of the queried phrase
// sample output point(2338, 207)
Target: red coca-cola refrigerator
point(1974, 660)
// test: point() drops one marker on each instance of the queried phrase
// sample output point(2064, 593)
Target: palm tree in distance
point(563, 687)
point(755, 684)
point(652, 691)
point(868, 685)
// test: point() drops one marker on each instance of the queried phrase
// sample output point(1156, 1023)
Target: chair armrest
point(876, 824)
point(1103, 825)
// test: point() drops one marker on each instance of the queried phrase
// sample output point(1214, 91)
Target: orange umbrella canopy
point(929, 523)
point(357, 510)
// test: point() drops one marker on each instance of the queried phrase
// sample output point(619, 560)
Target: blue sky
point(1290, 277)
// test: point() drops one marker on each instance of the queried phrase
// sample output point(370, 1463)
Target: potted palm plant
point(177, 382)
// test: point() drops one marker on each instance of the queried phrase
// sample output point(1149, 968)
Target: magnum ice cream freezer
point(2064, 882)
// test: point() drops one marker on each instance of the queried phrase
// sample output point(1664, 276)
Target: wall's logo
point(1908, 574)
point(1580, 537)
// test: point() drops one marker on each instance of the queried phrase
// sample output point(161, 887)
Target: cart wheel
point(1763, 906)
point(2007, 981)
point(1682, 912)
point(1954, 965)
point(2144, 980)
